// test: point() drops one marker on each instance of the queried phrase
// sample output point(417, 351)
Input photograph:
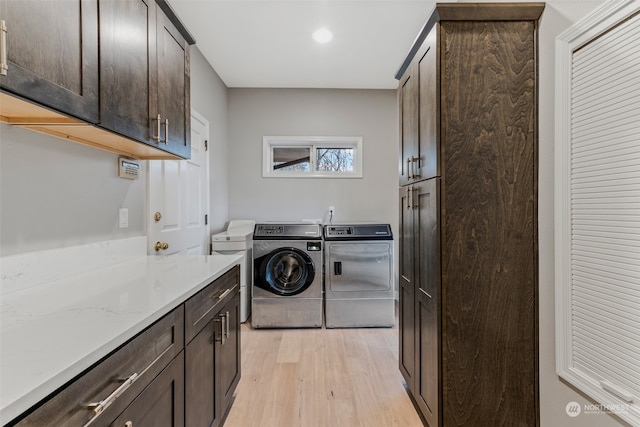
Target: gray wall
point(209, 98)
point(55, 193)
point(372, 114)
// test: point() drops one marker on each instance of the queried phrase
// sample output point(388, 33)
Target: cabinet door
point(408, 112)
point(161, 404)
point(229, 360)
point(407, 289)
point(173, 90)
point(428, 146)
point(427, 258)
point(52, 54)
point(200, 379)
point(127, 33)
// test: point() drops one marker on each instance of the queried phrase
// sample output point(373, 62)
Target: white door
point(178, 203)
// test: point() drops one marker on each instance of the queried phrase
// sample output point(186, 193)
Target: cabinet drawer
point(137, 362)
point(202, 307)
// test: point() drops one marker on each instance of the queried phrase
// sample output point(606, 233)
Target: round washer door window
point(288, 271)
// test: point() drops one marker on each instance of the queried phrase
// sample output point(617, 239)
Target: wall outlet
point(123, 217)
point(332, 210)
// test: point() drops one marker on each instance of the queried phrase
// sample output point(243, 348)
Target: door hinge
point(206, 145)
point(206, 220)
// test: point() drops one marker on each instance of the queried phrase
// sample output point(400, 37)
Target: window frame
point(312, 142)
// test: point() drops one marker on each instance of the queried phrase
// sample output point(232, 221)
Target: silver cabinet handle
point(223, 329)
point(413, 167)
point(228, 322)
point(156, 137)
point(225, 293)
point(409, 190)
point(3, 48)
point(166, 132)
point(409, 168)
point(99, 407)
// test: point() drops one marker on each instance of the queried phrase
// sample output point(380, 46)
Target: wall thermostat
point(128, 168)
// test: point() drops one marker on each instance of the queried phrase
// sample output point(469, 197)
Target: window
point(312, 156)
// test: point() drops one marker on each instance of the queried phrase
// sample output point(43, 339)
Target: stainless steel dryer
point(287, 284)
point(359, 275)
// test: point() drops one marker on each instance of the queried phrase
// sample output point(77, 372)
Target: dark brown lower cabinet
point(229, 360)
point(420, 289)
point(212, 364)
point(161, 404)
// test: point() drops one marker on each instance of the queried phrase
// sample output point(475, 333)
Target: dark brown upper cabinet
point(144, 75)
point(52, 54)
point(112, 74)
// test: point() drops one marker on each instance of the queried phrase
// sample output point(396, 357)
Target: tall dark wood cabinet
point(52, 54)
point(468, 216)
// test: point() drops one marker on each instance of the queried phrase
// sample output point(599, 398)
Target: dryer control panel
point(358, 232)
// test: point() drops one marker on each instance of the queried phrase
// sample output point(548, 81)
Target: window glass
point(291, 159)
point(334, 159)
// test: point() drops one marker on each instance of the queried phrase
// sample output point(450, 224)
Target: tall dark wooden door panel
point(427, 301)
point(52, 54)
point(488, 244)
point(408, 105)
point(428, 162)
point(407, 289)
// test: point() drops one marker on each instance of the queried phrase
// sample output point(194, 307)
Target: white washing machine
point(238, 239)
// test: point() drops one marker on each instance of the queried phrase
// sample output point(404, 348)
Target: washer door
point(286, 271)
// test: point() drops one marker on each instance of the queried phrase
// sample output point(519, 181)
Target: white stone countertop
point(52, 332)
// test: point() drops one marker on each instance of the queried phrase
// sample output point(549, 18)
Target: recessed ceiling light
point(322, 35)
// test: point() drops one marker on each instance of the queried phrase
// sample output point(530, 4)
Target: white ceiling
point(265, 43)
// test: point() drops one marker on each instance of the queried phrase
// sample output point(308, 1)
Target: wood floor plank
point(319, 378)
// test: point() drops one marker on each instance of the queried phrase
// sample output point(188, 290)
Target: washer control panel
point(287, 231)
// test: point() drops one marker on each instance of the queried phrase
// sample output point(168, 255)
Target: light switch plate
point(123, 215)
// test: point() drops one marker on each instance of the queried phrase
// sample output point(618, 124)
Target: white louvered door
point(598, 211)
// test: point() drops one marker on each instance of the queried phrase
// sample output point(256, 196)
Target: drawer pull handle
point(224, 294)
point(99, 407)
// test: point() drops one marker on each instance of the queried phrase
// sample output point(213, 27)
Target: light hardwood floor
point(321, 378)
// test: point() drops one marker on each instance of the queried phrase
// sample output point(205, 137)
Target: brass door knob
point(157, 216)
point(161, 245)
